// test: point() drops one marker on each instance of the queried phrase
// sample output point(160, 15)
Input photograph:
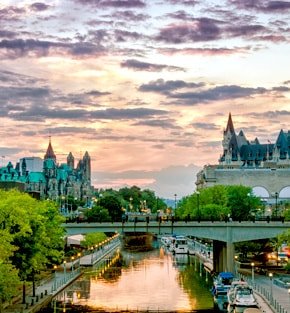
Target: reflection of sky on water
point(148, 280)
point(149, 284)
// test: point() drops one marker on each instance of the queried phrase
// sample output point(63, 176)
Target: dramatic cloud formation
point(145, 86)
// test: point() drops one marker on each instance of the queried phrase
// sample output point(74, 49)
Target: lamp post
point(175, 195)
point(72, 263)
point(253, 273)
point(54, 282)
point(289, 294)
point(198, 212)
point(64, 270)
point(236, 268)
point(276, 204)
point(271, 287)
point(79, 258)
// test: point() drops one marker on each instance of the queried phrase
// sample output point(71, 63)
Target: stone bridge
point(223, 234)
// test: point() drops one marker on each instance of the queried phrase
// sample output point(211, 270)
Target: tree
point(113, 205)
point(241, 202)
point(98, 214)
point(36, 234)
point(9, 282)
point(92, 239)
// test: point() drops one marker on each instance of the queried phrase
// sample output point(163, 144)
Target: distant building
point(46, 179)
point(264, 167)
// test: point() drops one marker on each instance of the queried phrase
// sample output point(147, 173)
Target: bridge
point(223, 234)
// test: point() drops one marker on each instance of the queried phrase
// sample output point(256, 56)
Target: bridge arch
point(285, 192)
point(261, 192)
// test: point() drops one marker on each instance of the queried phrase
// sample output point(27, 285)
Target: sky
point(144, 86)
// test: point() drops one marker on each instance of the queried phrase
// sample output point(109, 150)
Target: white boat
point(166, 241)
point(179, 245)
point(221, 284)
point(241, 297)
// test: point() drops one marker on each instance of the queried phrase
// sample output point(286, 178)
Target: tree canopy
point(31, 238)
point(218, 203)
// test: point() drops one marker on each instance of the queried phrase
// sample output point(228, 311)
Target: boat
point(166, 240)
point(221, 284)
point(241, 297)
point(179, 245)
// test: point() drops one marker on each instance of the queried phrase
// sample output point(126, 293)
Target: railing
point(267, 294)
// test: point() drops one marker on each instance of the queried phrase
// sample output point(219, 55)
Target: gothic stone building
point(51, 180)
point(264, 167)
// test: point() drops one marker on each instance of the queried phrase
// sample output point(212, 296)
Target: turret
point(70, 160)
point(49, 152)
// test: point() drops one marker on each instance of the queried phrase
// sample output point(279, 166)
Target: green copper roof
point(36, 177)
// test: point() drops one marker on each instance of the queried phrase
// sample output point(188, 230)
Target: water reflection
point(153, 280)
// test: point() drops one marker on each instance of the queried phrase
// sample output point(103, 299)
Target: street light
point(271, 286)
point(175, 195)
point(198, 213)
point(253, 273)
point(236, 267)
point(276, 203)
point(72, 263)
point(64, 270)
point(54, 283)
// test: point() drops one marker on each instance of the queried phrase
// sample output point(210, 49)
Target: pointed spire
point(49, 152)
point(230, 125)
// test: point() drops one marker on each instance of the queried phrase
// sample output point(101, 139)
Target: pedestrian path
point(273, 298)
point(59, 280)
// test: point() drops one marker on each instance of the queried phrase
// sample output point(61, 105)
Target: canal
point(149, 281)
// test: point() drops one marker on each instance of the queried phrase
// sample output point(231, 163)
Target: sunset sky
point(144, 86)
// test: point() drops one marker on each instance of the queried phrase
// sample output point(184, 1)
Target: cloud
point(263, 5)
point(149, 67)
point(123, 35)
point(41, 113)
point(206, 126)
point(11, 13)
point(164, 87)
point(205, 51)
point(183, 2)
point(17, 48)
point(114, 3)
point(7, 34)
point(39, 6)
point(202, 29)
point(159, 123)
point(218, 93)
point(130, 16)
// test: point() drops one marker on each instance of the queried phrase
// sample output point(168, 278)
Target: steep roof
point(230, 125)
point(49, 152)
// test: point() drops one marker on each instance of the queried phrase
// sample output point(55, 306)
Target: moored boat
point(166, 240)
point(221, 285)
point(241, 297)
point(179, 245)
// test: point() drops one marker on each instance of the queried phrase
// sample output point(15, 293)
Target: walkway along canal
point(63, 277)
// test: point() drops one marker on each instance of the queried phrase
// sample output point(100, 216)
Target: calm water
point(153, 281)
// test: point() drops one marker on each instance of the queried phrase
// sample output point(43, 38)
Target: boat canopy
point(227, 275)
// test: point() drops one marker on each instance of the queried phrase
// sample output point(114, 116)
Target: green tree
point(36, 234)
point(113, 205)
point(9, 282)
point(98, 214)
point(92, 239)
point(241, 202)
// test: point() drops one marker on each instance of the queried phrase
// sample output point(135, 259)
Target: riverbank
point(55, 283)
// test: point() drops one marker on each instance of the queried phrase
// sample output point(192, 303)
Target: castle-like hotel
point(247, 163)
point(46, 179)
